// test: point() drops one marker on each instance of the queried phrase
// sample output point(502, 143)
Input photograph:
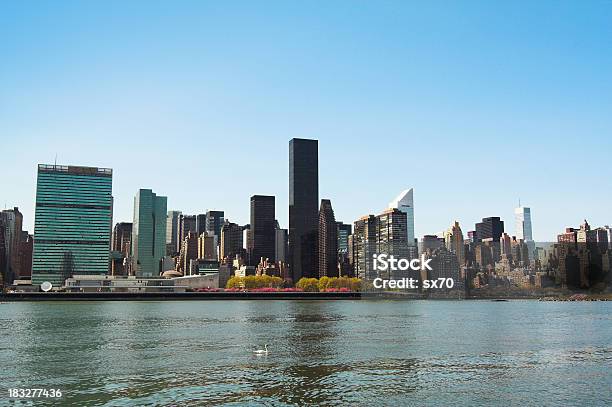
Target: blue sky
point(474, 104)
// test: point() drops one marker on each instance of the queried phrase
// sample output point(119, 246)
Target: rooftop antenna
point(55, 162)
point(519, 202)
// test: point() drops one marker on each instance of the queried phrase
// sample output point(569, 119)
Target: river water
point(473, 353)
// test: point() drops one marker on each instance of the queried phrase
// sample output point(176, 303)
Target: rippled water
point(321, 352)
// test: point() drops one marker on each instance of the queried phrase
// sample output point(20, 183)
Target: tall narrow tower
point(328, 241)
point(303, 207)
point(405, 203)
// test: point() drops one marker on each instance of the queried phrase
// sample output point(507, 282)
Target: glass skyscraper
point(149, 233)
point(303, 207)
point(72, 228)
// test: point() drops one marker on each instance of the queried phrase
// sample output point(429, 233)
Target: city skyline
point(463, 123)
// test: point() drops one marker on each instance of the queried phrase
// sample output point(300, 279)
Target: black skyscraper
point(303, 207)
point(492, 227)
point(263, 229)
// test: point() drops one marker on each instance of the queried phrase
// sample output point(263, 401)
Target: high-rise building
point(282, 238)
point(188, 252)
point(172, 232)
point(149, 233)
point(391, 235)
point(522, 216)
point(454, 242)
point(328, 240)
point(12, 223)
point(490, 228)
point(344, 231)
point(303, 207)
point(207, 246)
point(263, 229)
point(201, 224)
point(187, 223)
point(231, 240)
point(72, 228)
point(25, 254)
point(122, 238)
point(405, 203)
point(214, 222)
point(364, 241)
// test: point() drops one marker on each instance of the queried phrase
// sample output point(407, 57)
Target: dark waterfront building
point(11, 224)
point(25, 256)
point(214, 222)
point(122, 238)
point(328, 241)
point(263, 229)
point(231, 240)
point(303, 207)
point(72, 229)
point(490, 228)
point(364, 239)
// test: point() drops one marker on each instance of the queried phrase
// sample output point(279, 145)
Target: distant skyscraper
point(405, 203)
point(490, 228)
point(73, 222)
point(148, 233)
point(214, 222)
point(187, 223)
point(11, 223)
point(454, 242)
point(231, 240)
point(207, 246)
point(522, 217)
point(172, 232)
point(282, 238)
point(122, 238)
point(364, 239)
point(328, 241)
point(344, 231)
point(263, 230)
point(303, 207)
point(201, 223)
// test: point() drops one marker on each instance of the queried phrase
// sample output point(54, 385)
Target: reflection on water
point(321, 352)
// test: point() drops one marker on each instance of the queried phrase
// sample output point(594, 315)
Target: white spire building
point(522, 217)
point(405, 203)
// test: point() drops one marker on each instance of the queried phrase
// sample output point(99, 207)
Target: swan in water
point(263, 351)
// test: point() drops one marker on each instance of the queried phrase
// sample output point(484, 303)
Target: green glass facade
point(149, 233)
point(72, 228)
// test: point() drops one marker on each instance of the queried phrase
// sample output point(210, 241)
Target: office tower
point(25, 256)
point(187, 223)
point(172, 232)
point(72, 228)
point(344, 231)
point(405, 203)
point(391, 237)
point(201, 223)
point(454, 242)
point(364, 246)
point(207, 246)
point(12, 221)
point(188, 252)
point(490, 228)
point(431, 243)
point(263, 231)
point(231, 240)
point(282, 239)
point(505, 242)
point(214, 222)
point(122, 238)
point(149, 233)
point(328, 241)
point(303, 207)
point(522, 216)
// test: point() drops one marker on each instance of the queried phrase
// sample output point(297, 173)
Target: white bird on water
point(263, 351)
